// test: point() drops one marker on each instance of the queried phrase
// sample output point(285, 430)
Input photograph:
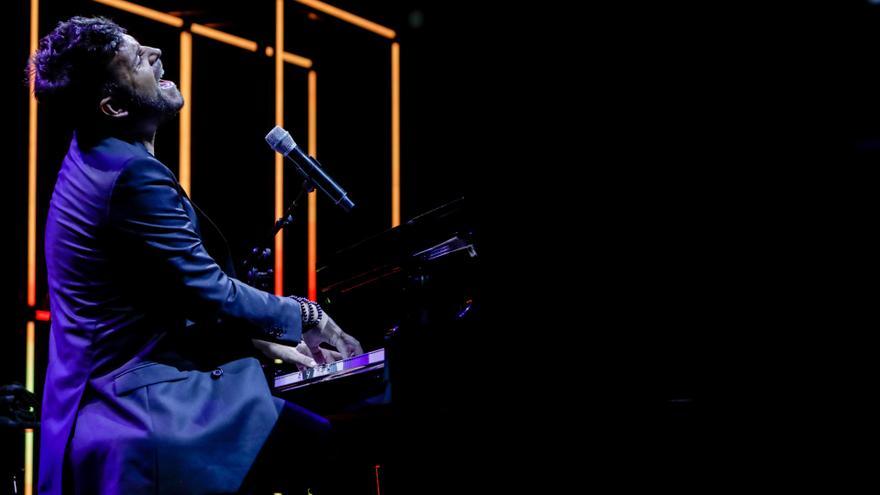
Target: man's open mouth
point(163, 83)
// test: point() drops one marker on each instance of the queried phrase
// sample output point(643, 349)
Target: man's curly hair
point(70, 67)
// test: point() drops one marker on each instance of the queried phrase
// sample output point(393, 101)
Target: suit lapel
point(211, 236)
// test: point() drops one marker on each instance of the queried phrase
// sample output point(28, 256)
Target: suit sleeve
point(146, 212)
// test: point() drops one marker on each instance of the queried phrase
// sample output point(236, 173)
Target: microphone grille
point(280, 140)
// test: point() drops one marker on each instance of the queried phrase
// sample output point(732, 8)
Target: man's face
point(138, 69)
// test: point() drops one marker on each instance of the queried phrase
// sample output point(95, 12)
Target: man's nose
point(154, 55)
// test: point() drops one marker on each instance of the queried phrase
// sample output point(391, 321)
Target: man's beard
point(156, 106)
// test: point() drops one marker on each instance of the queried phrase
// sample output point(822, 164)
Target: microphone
point(281, 141)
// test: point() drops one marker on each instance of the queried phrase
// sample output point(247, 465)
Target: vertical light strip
point(29, 433)
point(378, 492)
point(31, 247)
point(395, 134)
point(186, 111)
point(313, 196)
point(279, 164)
point(28, 461)
point(29, 358)
point(32, 168)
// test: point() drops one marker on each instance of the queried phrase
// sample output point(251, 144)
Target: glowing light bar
point(29, 358)
point(349, 18)
point(395, 134)
point(291, 58)
point(31, 247)
point(29, 433)
point(28, 461)
point(32, 167)
point(297, 60)
point(377, 480)
point(42, 315)
point(186, 111)
point(312, 269)
point(227, 38)
point(279, 164)
point(143, 12)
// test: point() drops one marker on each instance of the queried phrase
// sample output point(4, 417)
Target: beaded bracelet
point(310, 316)
point(302, 308)
point(320, 313)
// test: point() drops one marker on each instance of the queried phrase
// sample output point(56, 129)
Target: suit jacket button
point(217, 373)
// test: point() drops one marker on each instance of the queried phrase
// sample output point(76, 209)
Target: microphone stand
point(287, 219)
point(262, 278)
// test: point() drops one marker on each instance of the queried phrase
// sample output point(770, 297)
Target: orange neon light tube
point(143, 12)
point(349, 18)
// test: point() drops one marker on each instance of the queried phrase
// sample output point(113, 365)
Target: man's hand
point(309, 353)
point(328, 331)
point(300, 355)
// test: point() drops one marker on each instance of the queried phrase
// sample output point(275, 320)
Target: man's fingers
point(303, 349)
point(285, 353)
point(348, 346)
point(318, 353)
point(330, 355)
point(293, 356)
point(357, 348)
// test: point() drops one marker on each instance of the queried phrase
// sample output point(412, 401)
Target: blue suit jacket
point(152, 385)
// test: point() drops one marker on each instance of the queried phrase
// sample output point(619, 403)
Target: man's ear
point(109, 108)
